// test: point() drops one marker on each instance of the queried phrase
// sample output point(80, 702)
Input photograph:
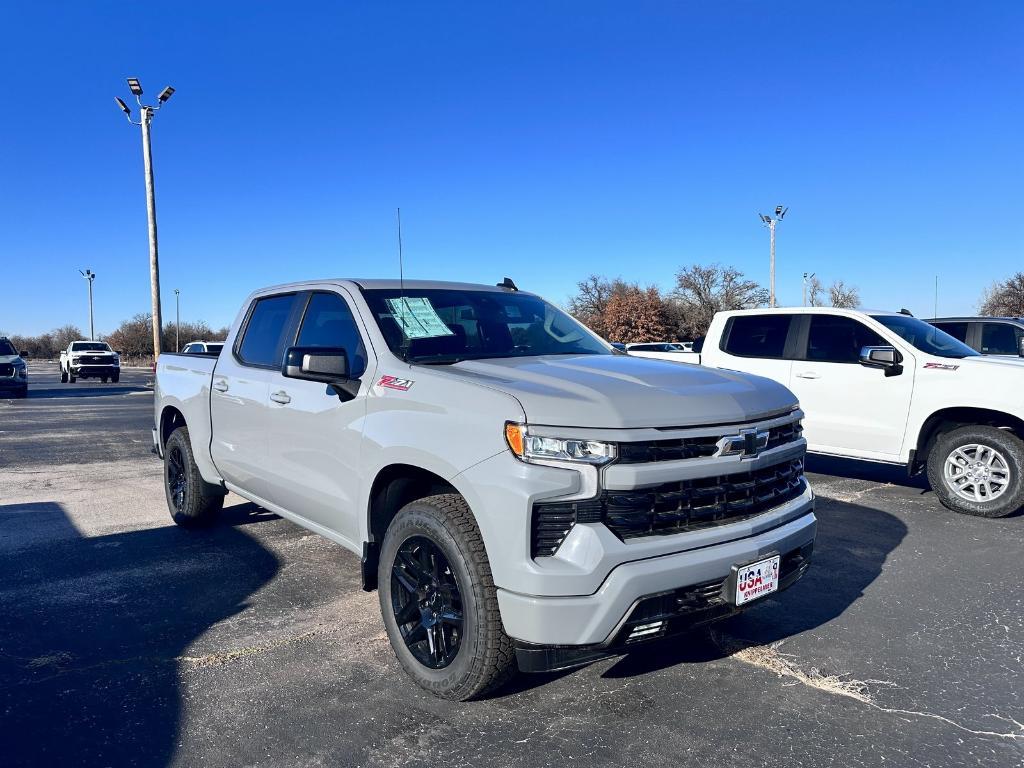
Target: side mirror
point(886, 358)
point(328, 365)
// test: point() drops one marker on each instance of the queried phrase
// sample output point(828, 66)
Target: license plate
point(756, 580)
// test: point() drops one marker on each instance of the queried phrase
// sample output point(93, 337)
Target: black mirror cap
point(324, 364)
point(887, 358)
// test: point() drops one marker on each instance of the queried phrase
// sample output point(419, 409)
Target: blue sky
point(541, 141)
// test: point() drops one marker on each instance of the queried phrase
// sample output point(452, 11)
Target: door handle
point(808, 375)
point(280, 397)
point(220, 385)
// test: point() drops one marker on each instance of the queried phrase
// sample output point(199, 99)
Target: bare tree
point(65, 335)
point(843, 296)
point(591, 301)
point(701, 291)
point(814, 292)
point(1005, 299)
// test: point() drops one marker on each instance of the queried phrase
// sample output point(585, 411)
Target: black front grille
point(6, 369)
point(677, 507)
point(647, 451)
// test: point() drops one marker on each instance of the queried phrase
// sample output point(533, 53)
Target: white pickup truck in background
point(89, 359)
point(521, 494)
point(885, 386)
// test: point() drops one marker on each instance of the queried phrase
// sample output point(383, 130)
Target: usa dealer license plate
point(756, 580)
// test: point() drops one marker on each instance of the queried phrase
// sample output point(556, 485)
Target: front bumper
point(595, 619)
point(655, 617)
point(89, 370)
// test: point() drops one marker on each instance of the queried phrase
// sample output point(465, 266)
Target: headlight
point(537, 448)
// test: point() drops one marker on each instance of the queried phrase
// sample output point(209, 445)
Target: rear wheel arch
point(170, 419)
point(393, 487)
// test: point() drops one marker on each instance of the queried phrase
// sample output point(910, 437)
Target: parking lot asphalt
point(127, 641)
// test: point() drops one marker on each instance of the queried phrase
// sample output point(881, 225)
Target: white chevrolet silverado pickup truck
point(887, 387)
point(84, 359)
point(521, 494)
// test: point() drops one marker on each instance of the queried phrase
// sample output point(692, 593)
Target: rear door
point(849, 409)
point(240, 388)
point(1000, 339)
point(760, 344)
point(315, 437)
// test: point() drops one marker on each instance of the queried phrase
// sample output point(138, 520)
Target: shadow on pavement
point(852, 545)
point(89, 390)
point(93, 629)
point(872, 471)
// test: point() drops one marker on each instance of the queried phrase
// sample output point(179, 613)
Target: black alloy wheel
point(427, 602)
point(177, 480)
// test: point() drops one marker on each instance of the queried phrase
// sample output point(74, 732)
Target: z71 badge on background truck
point(521, 494)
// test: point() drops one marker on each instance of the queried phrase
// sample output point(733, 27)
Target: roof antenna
point(401, 284)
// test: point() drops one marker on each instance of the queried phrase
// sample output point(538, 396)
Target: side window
point(957, 330)
point(999, 339)
point(329, 323)
point(263, 342)
point(834, 339)
point(758, 335)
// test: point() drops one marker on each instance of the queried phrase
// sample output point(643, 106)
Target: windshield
point(925, 337)
point(446, 325)
point(90, 346)
point(6, 348)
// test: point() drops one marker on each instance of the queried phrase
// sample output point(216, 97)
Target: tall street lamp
point(90, 276)
point(177, 320)
point(807, 277)
point(145, 118)
point(770, 222)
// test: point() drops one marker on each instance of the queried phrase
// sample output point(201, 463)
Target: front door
point(314, 436)
point(849, 409)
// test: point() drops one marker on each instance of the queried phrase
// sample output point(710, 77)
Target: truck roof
point(807, 311)
point(392, 284)
point(974, 318)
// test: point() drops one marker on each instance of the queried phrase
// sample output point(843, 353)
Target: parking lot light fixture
point(90, 276)
point(770, 222)
point(145, 121)
point(124, 107)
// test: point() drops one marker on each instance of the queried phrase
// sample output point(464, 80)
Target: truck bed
point(183, 382)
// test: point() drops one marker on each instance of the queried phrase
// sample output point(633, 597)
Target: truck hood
point(618, 392)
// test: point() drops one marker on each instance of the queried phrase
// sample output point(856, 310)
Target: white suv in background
point(887, 387)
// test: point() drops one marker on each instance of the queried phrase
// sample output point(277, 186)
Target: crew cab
point(1003, 336)
point(520, 494)
point(887, 387)
point(13, 371)
point(89, 360)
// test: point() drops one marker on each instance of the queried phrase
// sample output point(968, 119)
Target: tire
point(993, 457)
point(483, 657)
point(103, 379)
point(192, 501)
point(116, 377)
point(63, 376)
point(71, 376)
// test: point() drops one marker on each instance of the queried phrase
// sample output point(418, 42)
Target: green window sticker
point(418, 318)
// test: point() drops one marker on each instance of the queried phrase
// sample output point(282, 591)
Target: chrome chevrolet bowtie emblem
point(748, 443)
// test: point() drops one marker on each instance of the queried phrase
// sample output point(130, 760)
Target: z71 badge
point(393, 382)
point(942, 366)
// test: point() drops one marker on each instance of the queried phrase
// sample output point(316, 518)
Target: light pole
point(770, 222)
point(177, 320)
point(807, 277)
point(146, 117)
point(90, 276)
